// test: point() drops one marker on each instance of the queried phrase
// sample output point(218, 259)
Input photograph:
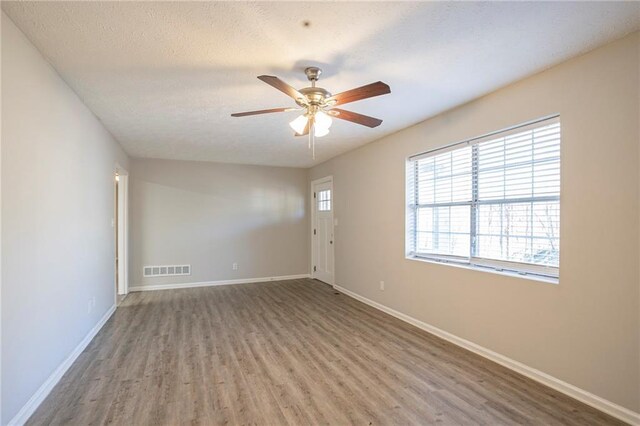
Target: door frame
point(313, 222)
point(122, 250)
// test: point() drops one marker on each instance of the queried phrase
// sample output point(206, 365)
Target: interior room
point(320, 213)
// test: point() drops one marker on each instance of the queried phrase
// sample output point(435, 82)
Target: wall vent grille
point(166, 270)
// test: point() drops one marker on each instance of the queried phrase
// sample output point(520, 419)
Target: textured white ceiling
point(164, 76)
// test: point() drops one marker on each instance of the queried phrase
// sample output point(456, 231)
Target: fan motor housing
point(315, 95)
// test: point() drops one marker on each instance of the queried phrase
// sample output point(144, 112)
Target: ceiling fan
point(319, 105)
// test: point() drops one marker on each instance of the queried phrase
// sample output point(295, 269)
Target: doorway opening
point(120, 222)
point(322, 230)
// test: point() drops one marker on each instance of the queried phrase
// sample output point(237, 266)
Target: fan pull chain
point(312, 139)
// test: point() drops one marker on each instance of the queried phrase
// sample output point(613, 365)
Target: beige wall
point(585, 330)
point(57, 205)
point(211, 215)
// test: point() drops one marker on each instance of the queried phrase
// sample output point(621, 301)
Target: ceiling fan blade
point(364, 92)
point(262, 111)
point(354, 117)
point(283, 87)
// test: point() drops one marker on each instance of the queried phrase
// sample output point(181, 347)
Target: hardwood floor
point(288, 352)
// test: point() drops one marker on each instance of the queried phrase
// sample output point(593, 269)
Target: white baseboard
point(215, 283)
point(582, 395)
point(34, 402)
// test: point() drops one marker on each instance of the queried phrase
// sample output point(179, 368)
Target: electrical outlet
point(234, 266)
point(381, 285)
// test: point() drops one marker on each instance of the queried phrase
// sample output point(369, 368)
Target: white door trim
point(313, 223)
point(123, 231)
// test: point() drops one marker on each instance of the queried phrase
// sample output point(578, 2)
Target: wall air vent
point(166, 270)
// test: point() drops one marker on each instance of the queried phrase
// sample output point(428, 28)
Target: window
point(489, 202)
point(324, 200)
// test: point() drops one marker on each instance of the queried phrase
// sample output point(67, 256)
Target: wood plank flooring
point(288, 352)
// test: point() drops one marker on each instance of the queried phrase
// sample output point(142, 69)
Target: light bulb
point(320, 131)
point(299, 124)
point(322, 120)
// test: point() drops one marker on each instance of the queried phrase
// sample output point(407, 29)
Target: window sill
point(530, 277)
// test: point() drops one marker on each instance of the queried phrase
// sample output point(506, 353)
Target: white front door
point(322, 232)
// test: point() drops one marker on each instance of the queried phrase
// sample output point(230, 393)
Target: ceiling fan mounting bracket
point(313, 73)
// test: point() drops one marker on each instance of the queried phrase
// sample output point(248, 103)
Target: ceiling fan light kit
point(299, 124)
point(319, 105)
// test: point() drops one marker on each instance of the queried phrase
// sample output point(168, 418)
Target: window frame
point(324, 204)
point(542, 272)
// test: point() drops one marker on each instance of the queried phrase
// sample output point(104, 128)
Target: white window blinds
point(492, 201)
